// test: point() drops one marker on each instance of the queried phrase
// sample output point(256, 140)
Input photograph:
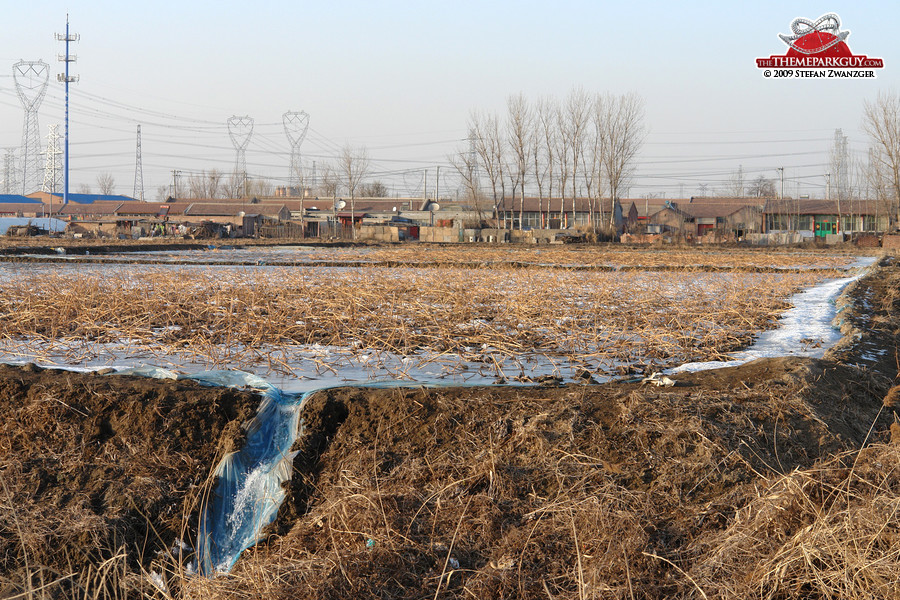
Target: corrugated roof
point(142, 208)
point(91, 198)
point(702, 209)
point(23, 207)
point(808, 206)
point(215, 209)
point(101, 208)
point(17, 199)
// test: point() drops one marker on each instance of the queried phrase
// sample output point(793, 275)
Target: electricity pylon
point(296, 124)
point(31, 78)
point(240, 129)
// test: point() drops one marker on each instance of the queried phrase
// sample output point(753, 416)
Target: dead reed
point(824, 532)
point(575, 256)
point(288, 316)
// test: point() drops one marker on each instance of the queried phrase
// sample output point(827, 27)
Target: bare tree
point(329, 182)
point(84, 189)
point(205, 185)
point(623, 135)
point(544, 149)
point(592, 161)
point(353, 166)
point(519, 128)
point(839, 165)
point(106, 183)
point(563, 160)
point(761, 187)
point(577, 118)
point(734, 187)
point(881, 121)
point(376, 189)
point(257, 187)
point(878, 187)
point(234, 186)
point(465, 161)
point(489, 148)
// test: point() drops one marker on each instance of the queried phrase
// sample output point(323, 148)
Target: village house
point(820, 218)
point(556, 213)
point(727, 218)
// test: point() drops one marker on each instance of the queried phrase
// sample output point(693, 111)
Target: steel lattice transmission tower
point(841, 165)
point(9, 171)
point(52, 166)
point(138, 170)
point(240, 129)
point(31, 78)
point(296, 124)
point(475, 174)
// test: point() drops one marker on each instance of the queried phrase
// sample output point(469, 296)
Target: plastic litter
point(249, 490)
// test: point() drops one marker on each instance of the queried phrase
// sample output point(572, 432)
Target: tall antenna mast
point(240, 129)
point(67, 79)
point(296, 124)
point(31, 78)
point(52, 166)
point(138, 170)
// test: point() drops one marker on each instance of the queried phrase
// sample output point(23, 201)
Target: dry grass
point(496, 315)
point(827, 532)
point(578, 256)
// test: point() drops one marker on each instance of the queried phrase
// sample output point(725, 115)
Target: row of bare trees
point(214, 184)
point(581, 146)
point(345, 175)
point(881, 121)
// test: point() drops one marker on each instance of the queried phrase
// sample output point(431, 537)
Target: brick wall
point(891, 240)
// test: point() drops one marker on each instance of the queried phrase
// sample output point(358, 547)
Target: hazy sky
point(401, 78)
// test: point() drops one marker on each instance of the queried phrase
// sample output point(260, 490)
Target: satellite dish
point(434, 206)
point(339, 204)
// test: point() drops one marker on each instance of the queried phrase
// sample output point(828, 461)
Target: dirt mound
point(734, 483)
point(96, 467)
point(499, 492)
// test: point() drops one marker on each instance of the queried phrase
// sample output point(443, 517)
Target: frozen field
point(430, 316)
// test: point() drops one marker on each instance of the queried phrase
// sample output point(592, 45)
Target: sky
point(401, 79)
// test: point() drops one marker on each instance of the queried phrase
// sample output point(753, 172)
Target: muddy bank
point(95, 467)
point(620, 490)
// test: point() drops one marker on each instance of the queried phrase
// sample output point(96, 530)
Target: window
point(869, 223)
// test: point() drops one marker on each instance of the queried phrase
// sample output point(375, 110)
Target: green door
point(825, 224)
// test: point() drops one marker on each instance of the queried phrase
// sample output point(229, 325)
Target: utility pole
point(67, 79)
point(175, 174)
point(437, 183)
point(781, 198)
